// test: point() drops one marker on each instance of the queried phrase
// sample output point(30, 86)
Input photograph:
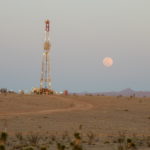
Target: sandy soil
point(104, 116)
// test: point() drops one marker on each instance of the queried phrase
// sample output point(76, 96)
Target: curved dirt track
point(77, 105)
point(104, 116)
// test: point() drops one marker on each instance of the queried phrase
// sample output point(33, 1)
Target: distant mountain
point(128, 92)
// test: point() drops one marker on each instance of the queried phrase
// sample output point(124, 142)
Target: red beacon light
point(47, 22)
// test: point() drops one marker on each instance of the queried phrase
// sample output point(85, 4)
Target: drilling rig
point(45, 81)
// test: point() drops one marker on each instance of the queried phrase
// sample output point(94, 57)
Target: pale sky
point(83, 32)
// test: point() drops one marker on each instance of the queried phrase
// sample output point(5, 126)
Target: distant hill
point(128, 92)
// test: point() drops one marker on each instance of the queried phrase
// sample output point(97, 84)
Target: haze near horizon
point(82, 34)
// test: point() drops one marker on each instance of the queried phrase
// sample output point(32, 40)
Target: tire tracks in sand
point(77, 105)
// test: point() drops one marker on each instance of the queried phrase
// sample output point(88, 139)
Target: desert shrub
point(3, 90)
point(76, 147)
point(33, 139)
point(119, 96)
point(28, 148)
point(66, 137)
point(43, 148)
point(147, 140)
point(125, 143)
point(80, 127)
point(2, 147)
point(126, 110)
point(19, 136)
point(106, 142)
point(76, 144)
point(60, 146)
point(91, 138)
point(3, 136)
point(77, 135)
point(67, 142)
point(132, 96)
point(53, 138)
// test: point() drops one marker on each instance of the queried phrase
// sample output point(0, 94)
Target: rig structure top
point(47, 24)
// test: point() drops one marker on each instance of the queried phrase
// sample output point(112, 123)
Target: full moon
point(108, 61)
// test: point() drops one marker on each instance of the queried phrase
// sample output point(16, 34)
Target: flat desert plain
point(104, 117)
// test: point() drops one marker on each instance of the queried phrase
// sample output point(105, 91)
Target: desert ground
point(105, 117)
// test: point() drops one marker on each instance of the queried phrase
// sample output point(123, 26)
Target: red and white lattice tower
point(45, 82)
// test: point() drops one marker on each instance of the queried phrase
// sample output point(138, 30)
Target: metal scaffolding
point(45, 81)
